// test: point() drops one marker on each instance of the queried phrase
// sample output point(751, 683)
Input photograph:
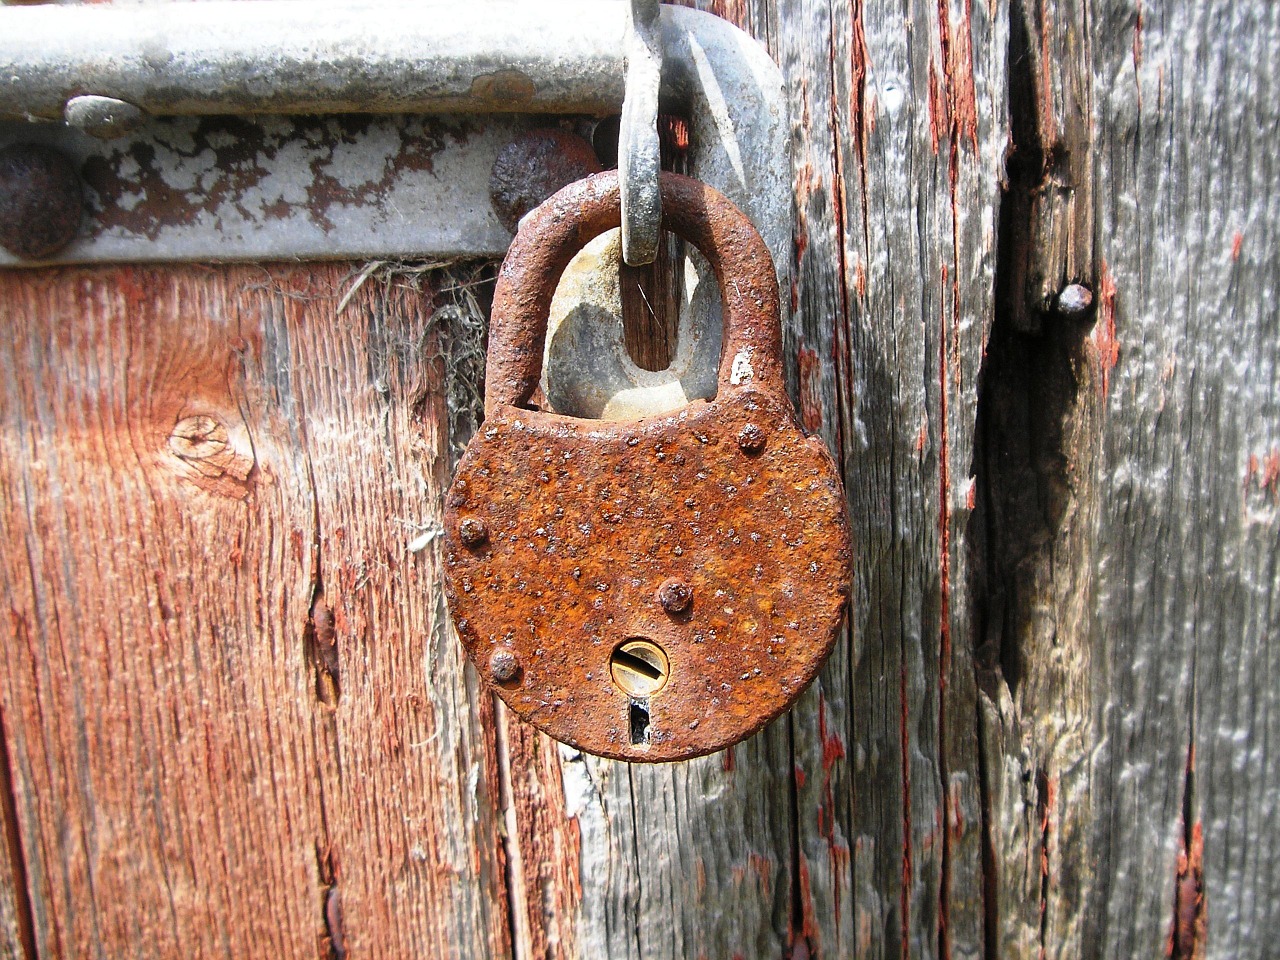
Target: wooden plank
point(1131, 543)
point(1188, 340)
point(234, 717)
point(1037, 423)
point(884, 352)
point(897, 160)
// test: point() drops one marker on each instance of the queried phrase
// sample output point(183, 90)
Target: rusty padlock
point(653, 589)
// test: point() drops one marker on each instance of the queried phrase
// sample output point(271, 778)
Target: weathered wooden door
point(235, 719)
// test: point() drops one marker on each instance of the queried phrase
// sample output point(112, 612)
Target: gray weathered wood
point(1184, 626)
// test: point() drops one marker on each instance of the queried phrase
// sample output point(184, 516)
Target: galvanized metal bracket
point(206, 100)
point(244, 131)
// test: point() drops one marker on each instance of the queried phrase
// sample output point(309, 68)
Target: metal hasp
point(220, 152)
point(651, 589)
point(639, 153)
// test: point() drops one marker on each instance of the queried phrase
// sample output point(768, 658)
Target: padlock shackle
point(552, 234)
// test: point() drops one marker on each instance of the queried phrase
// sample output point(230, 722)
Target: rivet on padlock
point(652, 589)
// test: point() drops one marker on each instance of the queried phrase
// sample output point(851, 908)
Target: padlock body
point(561, 534)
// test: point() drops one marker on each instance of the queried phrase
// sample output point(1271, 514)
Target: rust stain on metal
point(589, 522)
point(504, 87)
point(220, 162)
point(41, 200)
point(675, 595)
point(533, 167)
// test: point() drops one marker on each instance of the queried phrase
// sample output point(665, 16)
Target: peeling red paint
point(832, 744)
point(863, 122)
point(804, 188)
point(806, 117)
point(805, 182)
point(957, 71)
point(937, 108)
point(833, 750)
point(1104, 331)
point(1047, 787)
point(922, 437)
point(727, 761)
point(1237, 241)
point(810, 389)
point(763, 869)
point(1190, 922)
point(801, 777)
point(808, 937)
point(1137, 38)
point(1046, 814)
point(1270, 478)
point(944, 615)
point(735, 11)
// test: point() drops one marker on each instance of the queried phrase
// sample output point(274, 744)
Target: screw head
point(1074, 300)
point(41, 201)
point(473, 532)
point(503, 666)
point(675, 595)
point(751, 439)
point(639, 668)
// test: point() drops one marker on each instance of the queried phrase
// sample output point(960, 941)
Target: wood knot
point(197, 438)
point(210, 461)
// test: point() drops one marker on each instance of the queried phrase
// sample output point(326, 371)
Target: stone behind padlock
point(654, 589)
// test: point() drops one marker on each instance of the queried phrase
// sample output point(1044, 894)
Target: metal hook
point(639, 156)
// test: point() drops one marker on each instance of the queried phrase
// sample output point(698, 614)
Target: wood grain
point(1188, 338)
point(181, 526)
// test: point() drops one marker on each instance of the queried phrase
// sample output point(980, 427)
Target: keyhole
point(639, 714)
point(640, 668)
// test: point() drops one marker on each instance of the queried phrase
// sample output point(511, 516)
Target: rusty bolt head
point(675, 595)
point(751, 439)
point(533, 167)
point(473, 531)
point(1074, 301)
point(41, 201)
point(503, 666)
